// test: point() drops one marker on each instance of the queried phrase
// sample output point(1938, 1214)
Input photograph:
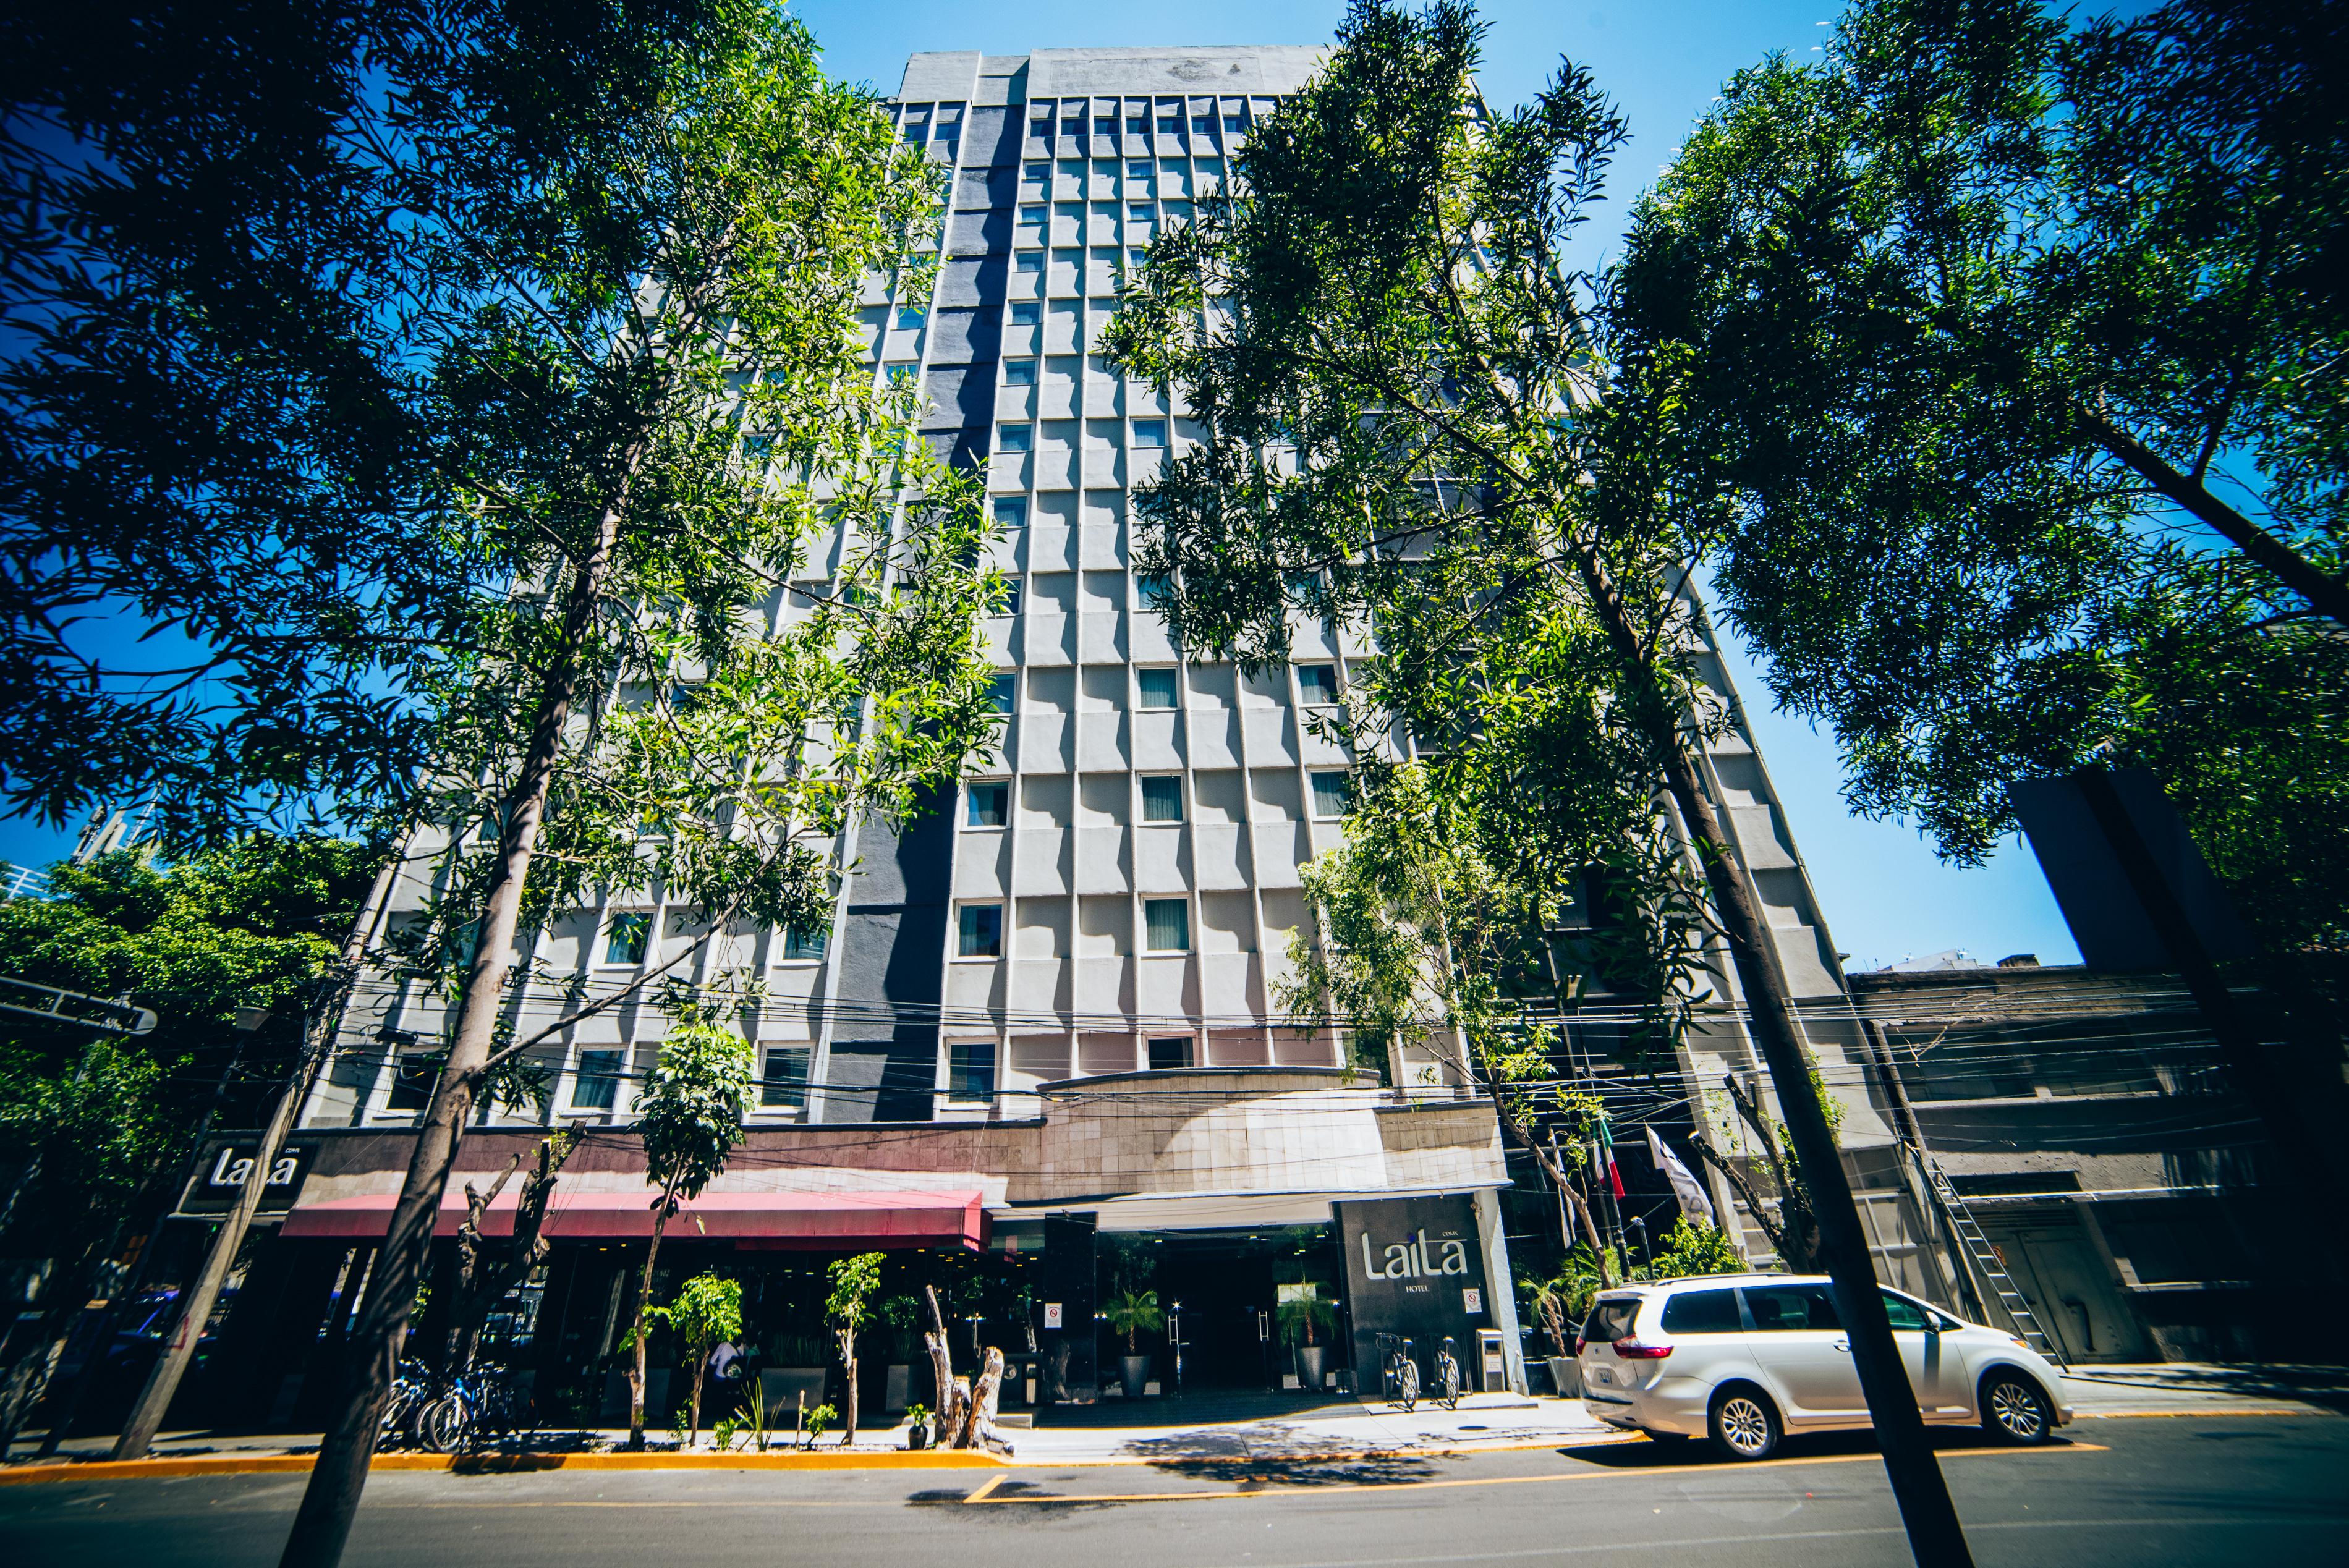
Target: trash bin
point(1495, 1376)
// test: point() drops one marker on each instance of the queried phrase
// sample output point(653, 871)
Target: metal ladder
point(2010, 1301)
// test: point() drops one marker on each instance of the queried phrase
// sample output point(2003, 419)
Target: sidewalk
point(1482, 1422)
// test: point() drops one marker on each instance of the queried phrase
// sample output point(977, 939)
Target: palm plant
point(1133, 1312)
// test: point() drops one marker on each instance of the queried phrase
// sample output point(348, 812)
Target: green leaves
point(690, 1116)
point(1871, 308)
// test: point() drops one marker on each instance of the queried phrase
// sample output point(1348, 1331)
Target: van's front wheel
point(2013, 1410)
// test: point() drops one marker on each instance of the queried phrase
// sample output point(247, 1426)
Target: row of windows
point(595, 1086)
point(1148, 434)
point(988, 804)
point(628, 935)
point(1040, 172)
point(1159, 686)
point(1166, 928)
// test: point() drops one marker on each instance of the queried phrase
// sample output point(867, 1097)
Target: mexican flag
point(1607, 1156)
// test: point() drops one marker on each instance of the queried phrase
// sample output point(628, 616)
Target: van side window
point(1702, 1312)
point(1905, 1314)
point(1781, 1307)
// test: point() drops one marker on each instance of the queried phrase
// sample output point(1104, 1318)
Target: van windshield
point(1611, 1321)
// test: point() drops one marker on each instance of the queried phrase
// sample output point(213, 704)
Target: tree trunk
point(331, 1500)
point(978, 1421)
point(527, 1251)
point(848, 1407)
point(2327, 595)
point(941, 1363)
point(644, 1307)
point(693, 1418)
point(1935, 1536)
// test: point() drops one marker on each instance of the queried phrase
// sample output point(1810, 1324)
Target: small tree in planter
point(691, 1118)
point(707, 1310)
point(1300, 1311)
point(1129, 1313)
point(853, 1281)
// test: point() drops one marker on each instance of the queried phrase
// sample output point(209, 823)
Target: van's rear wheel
point(2013, 1410)
point(1744, 1425)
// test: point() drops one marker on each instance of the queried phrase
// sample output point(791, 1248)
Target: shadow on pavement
point(1652, 1455)
point(2313, 1385)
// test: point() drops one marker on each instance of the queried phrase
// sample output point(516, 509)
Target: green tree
point(95, 1135)
point(1409, 427)
point(1965, 321)
point(853, 1281)
point(1694, 1247)
point(708, 1308)
point(690, 1118)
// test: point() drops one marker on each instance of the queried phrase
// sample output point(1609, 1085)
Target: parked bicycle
point(1398, 1373)
point(1448, 1381)
point(450, 1414)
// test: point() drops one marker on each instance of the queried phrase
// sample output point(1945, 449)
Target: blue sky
point(1885, 894)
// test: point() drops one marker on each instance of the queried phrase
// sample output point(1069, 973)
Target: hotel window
point(1162, 798)
point(911, 316)
point(1010, 606)
point(1137, 125)
point(1074, 125)
point(784, 1078)
point(1157, 688)
point(596, 1085)
point(1139, 211)
point(991, 805)
point(1012, 511)
point(414, 1075)
point(800, 945)
point(1032, 216)
point(1001, 690)
point(625, 938)
point(1330, 792)
point(970, 1070)
point(1013, 437)
point(1168, 922)
point(981, 933)
point(1167, 125)
point(1153, 589)
point(1169, 1052)
point(1150, 432)
point(1317, 685)
point(1232, 122)
point(1028, 313)
point(901, 373)
point(1020, 373)
point(1030, 262)
point(1037, 171)
point(1137, 169)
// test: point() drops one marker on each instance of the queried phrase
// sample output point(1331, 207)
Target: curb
point(494, 1464)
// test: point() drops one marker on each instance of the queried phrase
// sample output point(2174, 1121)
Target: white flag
point(1685, 1187)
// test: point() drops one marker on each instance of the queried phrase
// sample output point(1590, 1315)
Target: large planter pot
point(1309, 1364)
point(1565, 1375)
point(917, 1435)
point(1136, 1372)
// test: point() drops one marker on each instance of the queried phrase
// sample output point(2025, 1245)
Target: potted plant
point(1300, 1311)
point(1129, 1314)
point(917, 1425)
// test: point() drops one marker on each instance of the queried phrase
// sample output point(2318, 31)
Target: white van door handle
point(1843, 1345)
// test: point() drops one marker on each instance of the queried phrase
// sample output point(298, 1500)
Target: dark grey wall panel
point(961, 394)
point(988, 231)
point(973, 280)
point(985, 187)
point(983, 136)
point(961, 335)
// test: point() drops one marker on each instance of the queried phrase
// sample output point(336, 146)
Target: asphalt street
point(2269, 1491)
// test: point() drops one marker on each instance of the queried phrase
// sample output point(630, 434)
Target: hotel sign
point(1413, 1267)
point(222, 1169)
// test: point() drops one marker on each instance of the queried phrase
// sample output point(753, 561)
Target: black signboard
point(1413, 1267)
point(220, 1172)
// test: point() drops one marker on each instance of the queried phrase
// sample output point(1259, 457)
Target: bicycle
point(1399, 1372)
point(1447, 1377)
point(412, 1388)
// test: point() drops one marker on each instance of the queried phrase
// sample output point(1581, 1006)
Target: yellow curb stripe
point(494, 1464)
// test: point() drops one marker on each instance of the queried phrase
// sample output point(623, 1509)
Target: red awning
point(791, 1219)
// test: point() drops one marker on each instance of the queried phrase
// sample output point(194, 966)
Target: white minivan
point(1745, 1358)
